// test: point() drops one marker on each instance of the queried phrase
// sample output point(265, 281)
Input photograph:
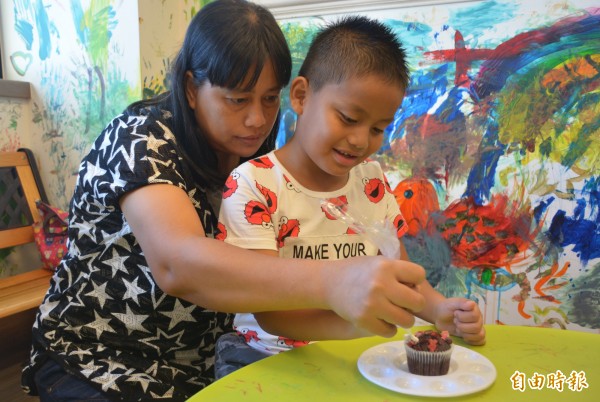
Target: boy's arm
point(308, 325)
point(457, 315)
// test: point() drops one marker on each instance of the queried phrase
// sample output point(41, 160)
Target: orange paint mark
point(417, 199)
point(539, 287)
point(565, 72)
point(521, 309)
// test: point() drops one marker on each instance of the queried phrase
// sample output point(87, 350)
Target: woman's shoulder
point(133, 127)
point(143, 120)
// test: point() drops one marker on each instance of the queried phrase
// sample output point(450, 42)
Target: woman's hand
point(375, 293)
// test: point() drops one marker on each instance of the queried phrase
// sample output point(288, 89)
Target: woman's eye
point(237, 101)
point(272, 99)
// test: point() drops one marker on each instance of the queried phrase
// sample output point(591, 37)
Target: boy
point(347, 92)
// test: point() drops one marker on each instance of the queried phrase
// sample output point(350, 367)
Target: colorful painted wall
point(86, 61)
point(493, 155)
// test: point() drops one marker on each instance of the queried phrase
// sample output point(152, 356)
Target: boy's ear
point(298, 93)
point(191, 90)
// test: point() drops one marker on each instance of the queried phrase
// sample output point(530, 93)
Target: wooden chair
point(21, 294)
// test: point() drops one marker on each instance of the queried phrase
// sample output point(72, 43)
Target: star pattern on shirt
point(162, 338)
point(180, 313)
point(99, 292)
point(105, 317)
point(92, 171)
point(132, 321)
point(100, 325)
point(132, 290)
point(142, 379)
point(116, 262)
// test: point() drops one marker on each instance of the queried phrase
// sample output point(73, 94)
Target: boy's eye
point(377, 130)
point(347, 119)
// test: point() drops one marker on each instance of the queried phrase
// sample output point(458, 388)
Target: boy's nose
point(359, 139)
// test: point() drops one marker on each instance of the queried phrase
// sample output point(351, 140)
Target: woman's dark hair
point(352, 47)
point(227, 44)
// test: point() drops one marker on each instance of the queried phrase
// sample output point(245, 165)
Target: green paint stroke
point(583, 299)
point(550, 111)
point(21, 62)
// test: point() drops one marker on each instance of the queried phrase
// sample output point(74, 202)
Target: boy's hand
point(461, 317)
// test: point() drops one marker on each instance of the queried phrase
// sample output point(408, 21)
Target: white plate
point(385, 365)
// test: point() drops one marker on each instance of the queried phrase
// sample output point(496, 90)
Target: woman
point(144, 291)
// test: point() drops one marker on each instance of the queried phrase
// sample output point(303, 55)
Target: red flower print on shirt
point(248, 334)
point(231, 184)
point(287, 228)
point(400, 225)
point(282, 341)
point(374, 189)
point(258, 213)
point(289, 185)
point(340, 202)
point(262, 162)
point(221, 232)
point(270, 197)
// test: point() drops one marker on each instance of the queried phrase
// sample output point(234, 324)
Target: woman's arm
point(308, 325)
point(366, 291)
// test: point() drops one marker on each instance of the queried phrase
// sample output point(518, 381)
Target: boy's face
point(341, 125)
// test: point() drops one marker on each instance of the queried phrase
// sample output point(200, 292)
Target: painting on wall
point(494, 154)
point(83, 67)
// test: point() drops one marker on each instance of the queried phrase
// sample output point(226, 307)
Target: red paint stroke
point(462, 56)
point(496, 234)
point(515, 46)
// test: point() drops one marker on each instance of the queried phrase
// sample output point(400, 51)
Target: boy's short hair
point(354, 46)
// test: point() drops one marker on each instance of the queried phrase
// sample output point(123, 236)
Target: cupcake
point(428, 352)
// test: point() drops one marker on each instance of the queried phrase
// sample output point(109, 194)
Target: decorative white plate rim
point(385, 365)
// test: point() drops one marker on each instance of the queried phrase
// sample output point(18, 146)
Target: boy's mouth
point(346, 154)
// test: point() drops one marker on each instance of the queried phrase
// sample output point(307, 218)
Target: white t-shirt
point(264, 207)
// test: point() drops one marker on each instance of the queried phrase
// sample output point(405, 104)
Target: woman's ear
point(191, 90)
point(298, 93)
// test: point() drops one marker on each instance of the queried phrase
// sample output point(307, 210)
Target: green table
point(327, 371)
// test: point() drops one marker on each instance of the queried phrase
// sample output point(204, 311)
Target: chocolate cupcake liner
point(428, 363)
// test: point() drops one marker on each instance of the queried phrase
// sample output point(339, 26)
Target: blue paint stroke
point(80, 27)
point(542, 207)
point(567, 37)
point(43, 29)
point(424, 90)
point(23, 25)
point(481, 17)
point(507, 281)
point(481, 177)
point(25, 30)
point(583, 234)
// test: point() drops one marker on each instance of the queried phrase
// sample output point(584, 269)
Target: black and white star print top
point(104, 318)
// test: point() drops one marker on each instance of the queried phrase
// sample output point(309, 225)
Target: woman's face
point(236, 122)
